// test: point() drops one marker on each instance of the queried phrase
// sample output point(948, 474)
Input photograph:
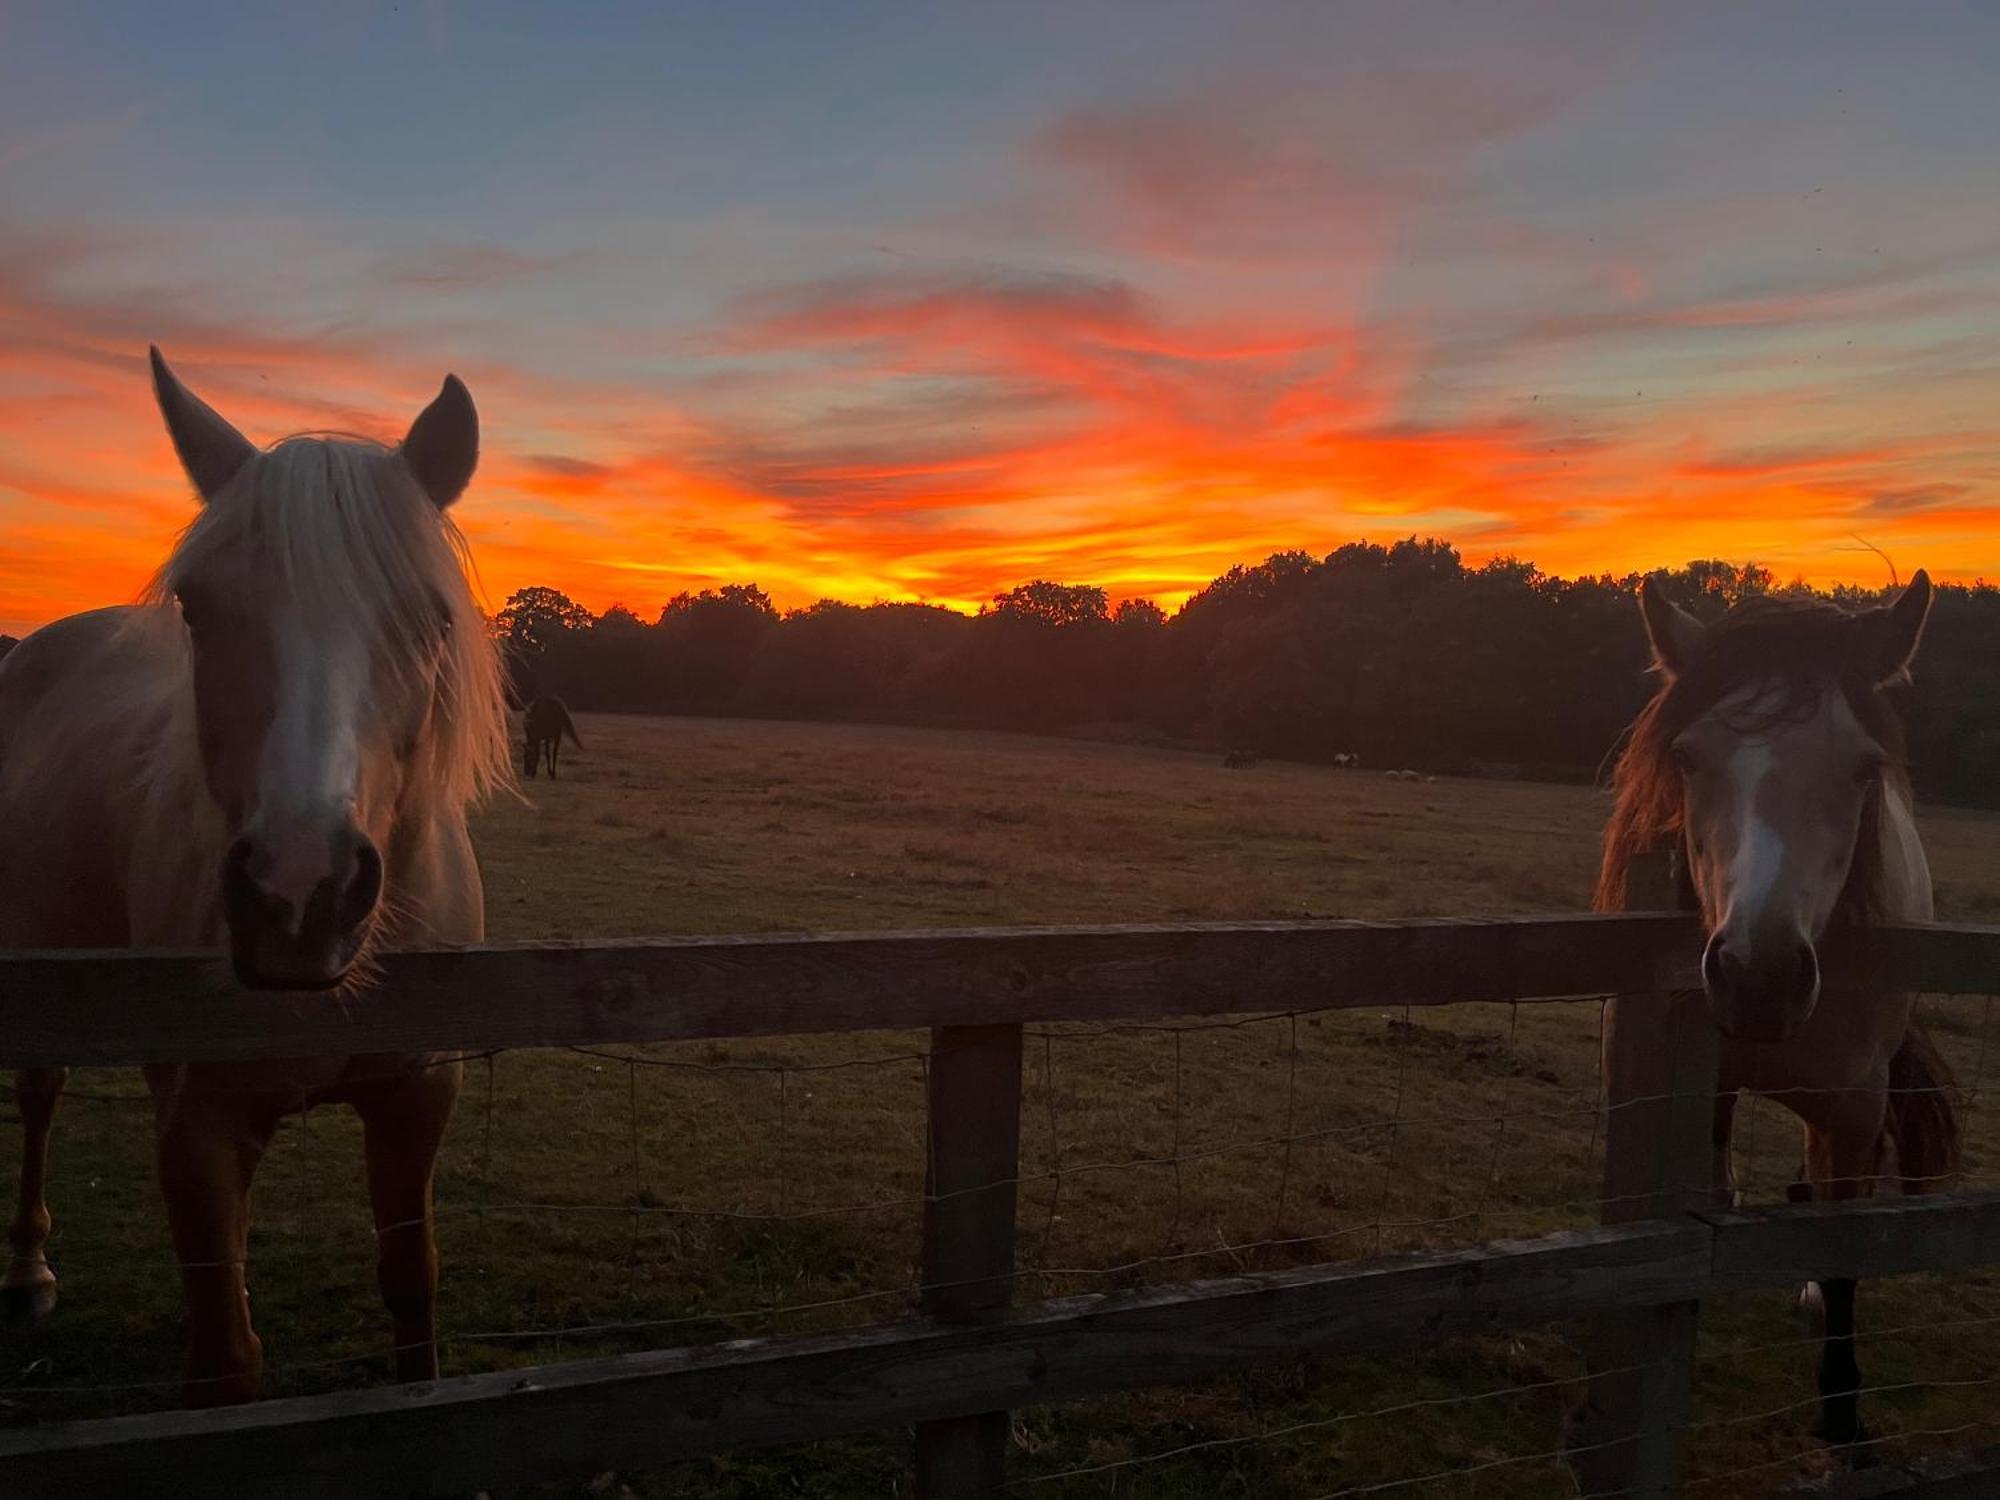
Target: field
point(602, 1201)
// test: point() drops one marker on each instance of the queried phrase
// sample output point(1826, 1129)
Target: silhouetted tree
point(533, 619)
point(1399, 652)
point(534, 622)
point(1054, 603)
point(847, 661)
point(707, 641)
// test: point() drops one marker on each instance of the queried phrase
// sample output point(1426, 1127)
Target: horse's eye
point(1868, 773)
point(1683, 760)
point(190, 613)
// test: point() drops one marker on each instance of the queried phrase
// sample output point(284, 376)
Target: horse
point(1772, 758)
point(273, 752)
point(543, 726)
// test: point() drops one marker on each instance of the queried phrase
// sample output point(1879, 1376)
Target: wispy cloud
point(1131, 334)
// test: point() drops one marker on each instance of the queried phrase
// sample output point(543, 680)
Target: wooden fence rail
point(553, 1421)
point(92, 1008)
point(971, 1358)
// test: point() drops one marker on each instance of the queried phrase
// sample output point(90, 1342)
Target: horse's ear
point(442, 448)
point(1677, 636)
point(210, 449)
point(1898, 629)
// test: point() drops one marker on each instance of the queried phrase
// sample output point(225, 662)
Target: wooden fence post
point(968, 1267)
point(1659, 1091)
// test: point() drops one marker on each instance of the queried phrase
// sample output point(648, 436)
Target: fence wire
point(622, 1197)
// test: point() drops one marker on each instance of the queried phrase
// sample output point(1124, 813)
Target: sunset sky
point(922, 301)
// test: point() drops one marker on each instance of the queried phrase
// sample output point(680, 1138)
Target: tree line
point(1399, 654)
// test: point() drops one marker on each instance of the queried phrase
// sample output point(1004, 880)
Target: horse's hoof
point(30, 1303)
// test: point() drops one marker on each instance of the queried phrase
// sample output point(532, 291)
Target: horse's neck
point(1905, 872)
point(178, 839)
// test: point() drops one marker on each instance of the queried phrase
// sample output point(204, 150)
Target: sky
point(922, 301)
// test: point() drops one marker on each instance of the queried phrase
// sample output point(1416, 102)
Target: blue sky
point(923, 300)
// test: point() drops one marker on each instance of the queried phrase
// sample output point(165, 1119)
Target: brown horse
point(1771, 758)
point(543, 726)
point(275, 752)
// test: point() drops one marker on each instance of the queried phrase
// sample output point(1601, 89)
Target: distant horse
point(543, 726)
point(275, 752)
point(1771, 757)
point(1238, 760)
point(1346, 760)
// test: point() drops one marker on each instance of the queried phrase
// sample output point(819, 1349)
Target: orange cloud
point(1209, 335)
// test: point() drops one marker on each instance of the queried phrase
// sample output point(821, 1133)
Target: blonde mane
point(341, 525)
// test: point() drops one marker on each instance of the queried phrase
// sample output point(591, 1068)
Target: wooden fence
point(957, 1370)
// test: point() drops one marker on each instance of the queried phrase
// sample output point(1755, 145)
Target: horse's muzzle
point(1766, 996)
point(292, 933)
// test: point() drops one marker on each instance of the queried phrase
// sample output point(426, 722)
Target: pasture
point(602, 1201)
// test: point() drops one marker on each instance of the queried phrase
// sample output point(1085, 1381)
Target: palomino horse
point(542, 729)
point(1771, 757)
point(276, 752)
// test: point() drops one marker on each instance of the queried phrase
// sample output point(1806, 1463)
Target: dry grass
point(1443, 1128)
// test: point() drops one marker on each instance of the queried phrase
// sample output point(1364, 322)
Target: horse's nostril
point(364, 885)
point(244, 896)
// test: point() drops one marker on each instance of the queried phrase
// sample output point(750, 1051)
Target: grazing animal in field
point(1238, 760)
point(1772, 759)
point(272, 755)
point(1346, 760)
point(542, 729)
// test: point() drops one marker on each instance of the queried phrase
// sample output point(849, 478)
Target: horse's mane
point(1799, 650)
point(344, 528)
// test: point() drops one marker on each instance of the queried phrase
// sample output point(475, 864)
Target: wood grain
point(112, 1009)
point(554, 1421)
point(970, 1188)
point(1659, 1089)
point(557, 1421)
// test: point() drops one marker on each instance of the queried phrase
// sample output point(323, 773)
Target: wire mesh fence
point(604, 1199)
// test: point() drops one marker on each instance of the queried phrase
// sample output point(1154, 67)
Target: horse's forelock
point(338, 524)
point(1796, 651)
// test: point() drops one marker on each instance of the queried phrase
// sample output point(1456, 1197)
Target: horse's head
point(1772, 735)
point(339, 666)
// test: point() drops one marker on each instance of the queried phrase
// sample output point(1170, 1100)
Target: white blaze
point(1760, 853)
point(309, 777)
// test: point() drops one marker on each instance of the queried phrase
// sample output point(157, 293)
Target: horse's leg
point(30, 1288)
point(1722, 1172)
point(403, 1127)
point(1842, 1153)
point(209, 1152)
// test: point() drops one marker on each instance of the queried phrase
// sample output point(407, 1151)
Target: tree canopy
point(1401, 654)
